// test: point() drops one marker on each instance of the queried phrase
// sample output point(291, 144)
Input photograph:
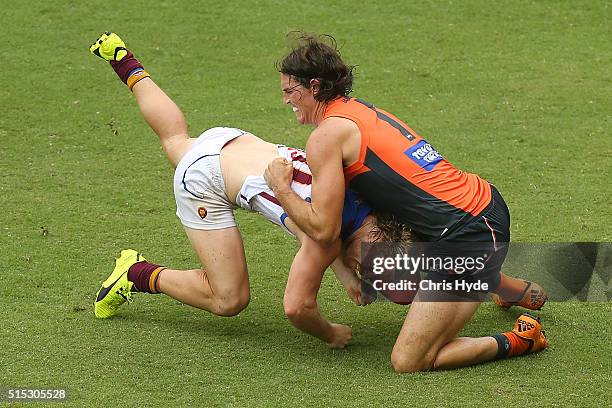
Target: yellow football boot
point(117, 289)
point(109, 47)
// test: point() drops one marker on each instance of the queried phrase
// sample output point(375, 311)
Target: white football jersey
point(255, 195)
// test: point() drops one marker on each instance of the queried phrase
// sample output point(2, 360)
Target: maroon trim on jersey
point(297, 155)
point(301, 177)
point(270, 198)
point(300, 159)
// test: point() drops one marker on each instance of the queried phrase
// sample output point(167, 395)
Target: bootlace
point(126, 294)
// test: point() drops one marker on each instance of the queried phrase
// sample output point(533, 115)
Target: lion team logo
point(202, 212)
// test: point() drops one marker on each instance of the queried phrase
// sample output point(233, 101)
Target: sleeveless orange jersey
point(399, 173)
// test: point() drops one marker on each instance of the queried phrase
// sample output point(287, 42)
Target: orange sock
point(510, 344)
point(511, 289)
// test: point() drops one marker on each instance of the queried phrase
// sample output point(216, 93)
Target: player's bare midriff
point(244, 156)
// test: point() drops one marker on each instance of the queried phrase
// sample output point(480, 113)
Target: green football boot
point(109, 47)
point(117, 289)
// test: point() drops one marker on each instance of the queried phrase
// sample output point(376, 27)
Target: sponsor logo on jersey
point(202, 212)
point(424, 155)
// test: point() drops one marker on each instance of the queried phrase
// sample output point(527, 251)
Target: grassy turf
point(518, 92)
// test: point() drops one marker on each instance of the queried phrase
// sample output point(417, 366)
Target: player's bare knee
point(231, 301)
point(228, 306)
point(413, 354)
point(404, 364)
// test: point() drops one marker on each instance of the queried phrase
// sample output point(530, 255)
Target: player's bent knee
point(403, 363)
point(231, 305)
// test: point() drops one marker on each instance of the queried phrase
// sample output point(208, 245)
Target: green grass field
point(518, 92)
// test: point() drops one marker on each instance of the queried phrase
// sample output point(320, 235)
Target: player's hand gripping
point(279, 174)
point(354, 289)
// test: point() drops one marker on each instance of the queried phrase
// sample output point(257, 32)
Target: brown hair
point(392, 230)
point(317, 57)
point(385, 228)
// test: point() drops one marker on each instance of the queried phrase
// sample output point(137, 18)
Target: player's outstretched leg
point(160, 112)
point(428, 340)
point(132, 273)
point(194, 287)
point(518, 292)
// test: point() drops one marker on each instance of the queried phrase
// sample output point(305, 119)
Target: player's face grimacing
point(300, 98)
